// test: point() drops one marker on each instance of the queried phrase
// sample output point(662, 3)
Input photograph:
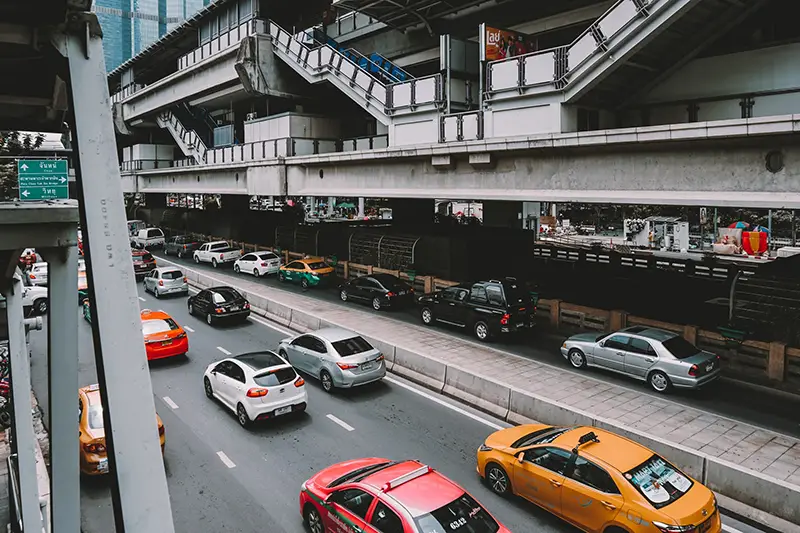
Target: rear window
point(218, 246)
point(659, 482)
point(317, 265)
point(351, 346)
point(142, 257)
point(274, 378)
point(516, 295)
point(150, 327)
point(223, 296)
point(267, 256)
point(172, 274)
point(463, 515)
point(680, 347)
point(95, 417)
point(542, 436)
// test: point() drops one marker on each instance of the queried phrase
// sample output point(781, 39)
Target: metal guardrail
point(220, 43)
point(466, 126)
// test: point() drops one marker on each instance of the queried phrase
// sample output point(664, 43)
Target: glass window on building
point(245, 9)
point(205, 33)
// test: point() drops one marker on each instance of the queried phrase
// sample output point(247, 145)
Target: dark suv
point(182, 246)
point(487, 307)
point(143, 263)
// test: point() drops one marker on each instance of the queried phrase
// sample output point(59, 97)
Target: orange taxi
point(596, 480)
point(163, 337)
point(92, 435)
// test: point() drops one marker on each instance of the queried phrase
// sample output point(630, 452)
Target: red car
point(382, 496)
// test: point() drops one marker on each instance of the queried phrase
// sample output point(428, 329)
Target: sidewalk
point(751, 448)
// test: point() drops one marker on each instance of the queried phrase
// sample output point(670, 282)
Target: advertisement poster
point(502, 44)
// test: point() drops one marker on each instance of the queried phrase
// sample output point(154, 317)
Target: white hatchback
point(256, 386)
point(258, 264)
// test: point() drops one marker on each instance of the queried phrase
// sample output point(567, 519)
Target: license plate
point(401, 293)
point(283, 410)
point(367, 366)
point(235, 308)
point(102, 466)
point(166, 343)
point(710, 367)
point(705, 526)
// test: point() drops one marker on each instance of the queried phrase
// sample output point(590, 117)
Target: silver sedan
point(166, 280)
point(335, 356)
point(661, 358)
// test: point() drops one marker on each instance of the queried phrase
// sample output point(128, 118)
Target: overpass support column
point(411, 211)
point(503, 214)
point(156, 200)
point(361, 208)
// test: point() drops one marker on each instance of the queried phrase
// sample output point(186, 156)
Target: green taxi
point(309, 272)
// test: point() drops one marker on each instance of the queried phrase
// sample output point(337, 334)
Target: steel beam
point(62, 345)
point(139, 488)
point(24, 437)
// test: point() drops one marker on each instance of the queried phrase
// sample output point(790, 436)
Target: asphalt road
point(725, 397)
point(257, 489)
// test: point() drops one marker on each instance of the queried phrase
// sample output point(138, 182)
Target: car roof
point(614, 450)
point(385, 277)
point(260, 360)
point(149, 314)
point(169, 269)
point(650, 333)
point(135, 251)
point(264, 252)
point(92, 393)
point(40, 264)
point(334, 334)
point(419, 495)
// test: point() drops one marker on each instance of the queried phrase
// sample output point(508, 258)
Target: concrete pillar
point(361, 208)
point(553, 209)
point(776, 364)
point(690, 333)
point(346, 267)
point(531, 211)
point(331, 205)
point(555, 313)
point(412, 211)
point(617, 320)
point(502, 214)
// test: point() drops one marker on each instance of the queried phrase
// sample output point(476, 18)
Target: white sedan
point(37, 274)
point(258, 264)
point(256, 386)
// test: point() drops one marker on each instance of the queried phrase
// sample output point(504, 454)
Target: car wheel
point(179, 254)
point(40, 306)
point(327, 381)
point(197, 259)
point(376, 304)
point(166, 251)
point(659, 381)
point(214, 262)
point(207, 387)
point(482, 331)
point(576, 358)
point(343, 295)
point(281, 277)
point(304, 283)
point(241, 416)
point(497, 479)
point(255, 273)
point(156, 293)
point(427, 316)
point(314, 521)
point(236, 268)
point(209, 319)
point(191, 308)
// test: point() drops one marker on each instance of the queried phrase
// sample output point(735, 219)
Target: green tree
point(14, 144)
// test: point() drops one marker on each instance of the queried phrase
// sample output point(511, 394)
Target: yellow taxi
point(308, 272)
point(92, 435)
point(596, 480)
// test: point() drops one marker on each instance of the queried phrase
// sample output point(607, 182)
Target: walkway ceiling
point(405, 14)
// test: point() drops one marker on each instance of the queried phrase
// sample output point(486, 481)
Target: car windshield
point(351, 346)
point(680, 347)
point(223, 296)
point(317, 265)
point(95, 416)
point(172, 274)
point(282, 376)
point(463, 515)
point(659, 482)
point(81, 266)
point(161, 325)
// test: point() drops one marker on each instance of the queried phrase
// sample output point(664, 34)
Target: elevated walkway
point(392, 104)
point(190, 143)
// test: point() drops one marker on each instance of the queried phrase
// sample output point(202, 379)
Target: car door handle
point(555, 483)
point(649, 360)
point(620, 353)
point(608, 505)
point(451, 303)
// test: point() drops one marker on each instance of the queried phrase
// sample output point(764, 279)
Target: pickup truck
point(216, 253)
point(182, 245)
point(148, 238)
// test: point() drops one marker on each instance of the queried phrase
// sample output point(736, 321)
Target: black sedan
point(379, 290)
point(219, 303)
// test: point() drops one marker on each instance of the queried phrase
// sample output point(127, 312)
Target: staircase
point(189, 141)
point(383, 100)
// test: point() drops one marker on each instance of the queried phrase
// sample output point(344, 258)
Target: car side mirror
point(520, 456)
point(601, 343)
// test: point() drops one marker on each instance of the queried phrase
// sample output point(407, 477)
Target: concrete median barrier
point(485, 394)
point(304, 321)
point(419, 369)
point(282, 314)
point(386, 349)
point(776, 497)
point(525, 407)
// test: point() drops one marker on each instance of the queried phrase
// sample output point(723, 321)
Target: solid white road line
point(187, 328)
point(225, 460)
point(342, 423)
point(730, 529)
point(223, 350)
point(446, 404)
point(276, 327)
point(168, 401)
point(142, 299)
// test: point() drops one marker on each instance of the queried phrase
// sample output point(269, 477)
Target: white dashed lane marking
point(187, 328)
point(168, 401)
point(223, 350)
point(225, 460)
point(342, 423)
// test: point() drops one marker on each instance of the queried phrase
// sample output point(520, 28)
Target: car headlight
point(666, 528)
point(303, 486)
point(484, 448)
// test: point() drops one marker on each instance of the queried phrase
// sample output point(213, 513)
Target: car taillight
point(257, 393)
point(411, 290)
point(160, 430)
point(263, 263)
point(219, 310)
point(184, 246)
point(33, 276)
point(693, 370)
point(246, 305)
point(346, 366)
point(379, 358)
point(390, 294)
point(181, 335)
point(185, 280)
point(299, 382)
point(161, 283)
point(94, 448)
point(222, 256)
point(505, 319)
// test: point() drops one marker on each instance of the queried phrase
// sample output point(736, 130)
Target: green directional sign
point(43, 179)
